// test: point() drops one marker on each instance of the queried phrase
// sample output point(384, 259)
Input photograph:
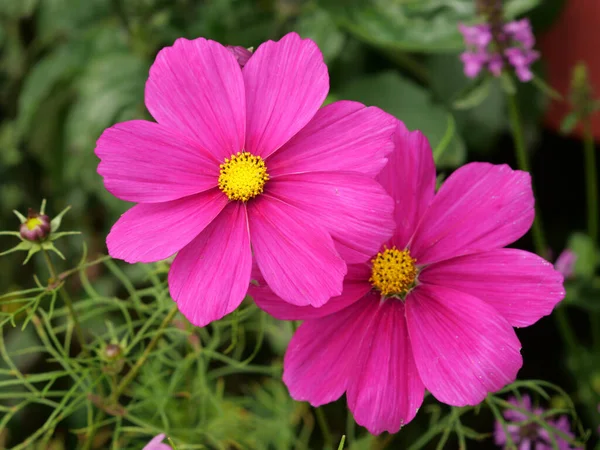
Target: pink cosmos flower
point(436, 307)
point(156, 444)
point(243, 162)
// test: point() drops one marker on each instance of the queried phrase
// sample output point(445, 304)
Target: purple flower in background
point(490, 50)
point(531, 435)
point(156, 444)
point(565, 263)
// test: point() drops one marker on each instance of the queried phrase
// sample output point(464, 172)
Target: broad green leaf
point(412, 25)
point(481, 125)
point(475, 94)
point(410, 103)
point(319, 26)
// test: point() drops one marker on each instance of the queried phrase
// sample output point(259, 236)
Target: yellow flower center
point(393, 272)
point(243, 176)
point(33, 222)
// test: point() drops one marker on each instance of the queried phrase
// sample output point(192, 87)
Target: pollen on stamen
point(393, 272)
point(243, 176)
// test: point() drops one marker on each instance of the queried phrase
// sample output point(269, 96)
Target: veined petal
point(326, 354)
point(154, 231)
point(286, 83)
point(409, 177)
point(209, 278)
point(463, 348)
point(480, 207)
point(521, 286)
point(146, 162)
point(387, 393)
point(297, 259)
point(353, 208)
point(343, 136)
point(197, 87)
point(356, 286)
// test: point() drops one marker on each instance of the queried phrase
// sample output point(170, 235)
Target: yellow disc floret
point(243, 176)
point(393, 272)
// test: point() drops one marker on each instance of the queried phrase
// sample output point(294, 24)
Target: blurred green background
point(71, 68)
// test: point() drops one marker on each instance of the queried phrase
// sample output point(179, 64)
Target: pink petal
point(209, 278)
point(521, 286)
point(480, 207)
point(286, 83)
point(354, 208)
point(156, 443)
point(325, 354)
point(409, 177)
point(388, 392)
point(197, 87)
point(343, 136)
point(146, 162)
point(356, 286)
point(463, 347)
point(298, 259)
point(153, 231)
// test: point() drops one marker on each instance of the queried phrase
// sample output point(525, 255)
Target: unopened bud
point(242, 55)
point(112, 352)
point(36, 227)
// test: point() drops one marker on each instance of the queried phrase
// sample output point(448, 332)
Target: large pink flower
point(242, 162)
point(436, 307)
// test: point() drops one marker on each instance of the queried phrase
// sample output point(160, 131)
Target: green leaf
point(320, 27)
point(55, 236)
point(508, 83)
point(420, 26)
point(475, 94)
point(585, 264)
point(47, 245)
point(481, 125)
point(569, 122)
point(59, 66)
point(413, 105)
point(342, 441)
point(515, 8)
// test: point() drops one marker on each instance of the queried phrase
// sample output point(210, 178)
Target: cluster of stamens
point(243, 176)
point(393, 272)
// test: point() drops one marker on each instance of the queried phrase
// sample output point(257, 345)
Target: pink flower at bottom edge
point(435, 309)
point(157, 443)
point(244, 161)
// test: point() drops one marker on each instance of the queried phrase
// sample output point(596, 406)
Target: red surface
point(574, 37)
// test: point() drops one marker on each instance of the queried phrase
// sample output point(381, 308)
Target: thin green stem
point(539, 240)
point(591, 181)
point(68, 302)
point(140, 362)
point(324, 428)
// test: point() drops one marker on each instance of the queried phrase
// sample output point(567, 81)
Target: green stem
point(539, 241)
point(591, 181)
point(324, 428)
point(140, 362)
point(67, 299)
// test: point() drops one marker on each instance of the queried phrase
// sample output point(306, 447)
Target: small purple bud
point(241, 54)
point(565, 263)
point(36, 227)
point(112, 352)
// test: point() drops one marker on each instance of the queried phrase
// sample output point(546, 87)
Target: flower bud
point(112, 352)
point(241, 54)
point(36, 227)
